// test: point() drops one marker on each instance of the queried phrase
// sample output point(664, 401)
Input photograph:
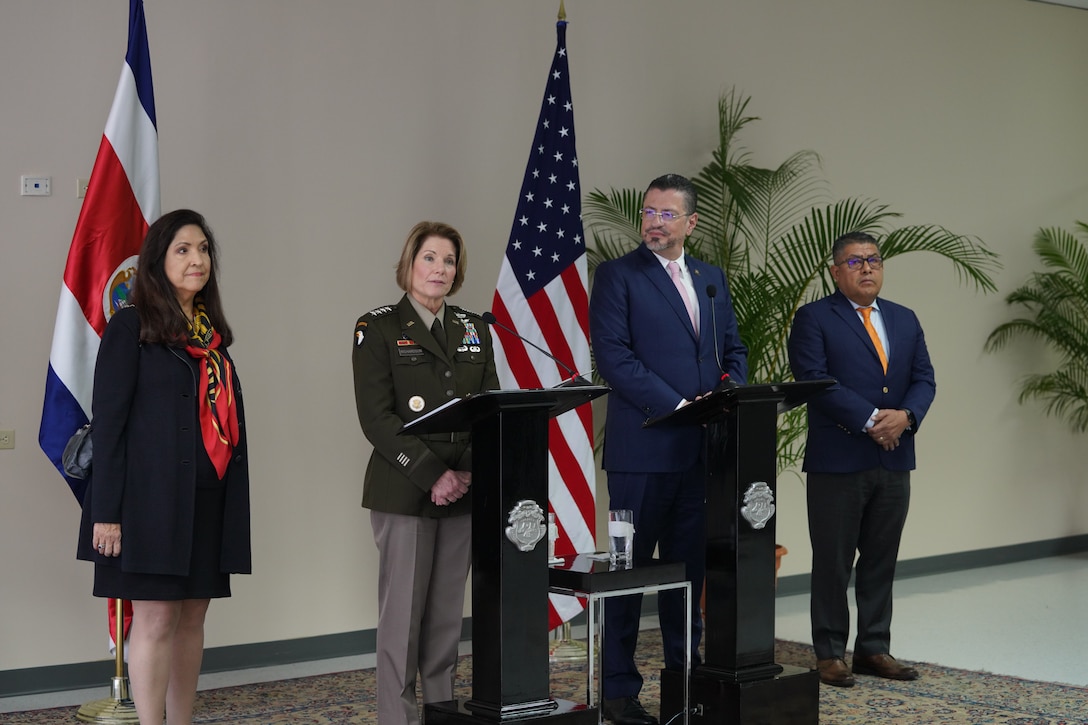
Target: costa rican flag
point(541, 293)
point(121, 202)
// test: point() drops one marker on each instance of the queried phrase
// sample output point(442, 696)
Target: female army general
point(408, 359)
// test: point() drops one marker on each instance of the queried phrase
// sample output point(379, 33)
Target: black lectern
point(739, 681)
point(510, 678)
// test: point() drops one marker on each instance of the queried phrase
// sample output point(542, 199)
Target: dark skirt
point(205, 580)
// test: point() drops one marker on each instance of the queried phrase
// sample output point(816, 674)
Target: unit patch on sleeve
point(360, 326)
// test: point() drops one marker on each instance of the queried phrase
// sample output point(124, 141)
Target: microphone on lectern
point(726, 381)
point(575, 378)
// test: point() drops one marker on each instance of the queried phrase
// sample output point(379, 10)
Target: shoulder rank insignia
point(379, 311)
point(360, 326)
point(461, 313)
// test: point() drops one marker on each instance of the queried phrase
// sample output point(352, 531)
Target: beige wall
point(313, 134)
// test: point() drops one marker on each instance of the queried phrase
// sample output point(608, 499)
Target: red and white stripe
point(557, 319)
point(122, 201)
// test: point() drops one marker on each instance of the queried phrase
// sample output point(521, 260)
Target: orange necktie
point(865, 312)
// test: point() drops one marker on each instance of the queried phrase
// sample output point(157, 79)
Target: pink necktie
point(674, 273)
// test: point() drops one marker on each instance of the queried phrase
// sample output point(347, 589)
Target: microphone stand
point(564, 647)
point(576, 380)
point(726, 382)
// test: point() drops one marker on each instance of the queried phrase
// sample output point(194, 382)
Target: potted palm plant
point(772, 231)
point(1055, 304)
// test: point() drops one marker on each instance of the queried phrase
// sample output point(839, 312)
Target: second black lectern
point(510, 676)
point(739, 681)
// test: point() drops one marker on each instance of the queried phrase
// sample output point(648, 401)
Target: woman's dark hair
point(161, 318)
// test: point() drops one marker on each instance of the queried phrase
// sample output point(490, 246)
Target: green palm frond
point(792, 426)
point(741, 206)
point(1064, 393)
point(613, 222)
point(804, 252)
point(1055, 308)
point(780, 197)
point(1004, 333)
point(772, 231)
point(1062, 251)
point(972, 261)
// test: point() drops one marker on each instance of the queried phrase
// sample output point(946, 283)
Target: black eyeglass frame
point(856, 263)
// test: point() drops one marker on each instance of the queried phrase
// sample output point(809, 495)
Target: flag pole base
point(117, 708)
point(566, 649)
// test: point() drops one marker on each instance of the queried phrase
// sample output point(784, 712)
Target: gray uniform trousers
point(423, 565)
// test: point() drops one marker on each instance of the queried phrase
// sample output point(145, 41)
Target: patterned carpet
point(942, 695)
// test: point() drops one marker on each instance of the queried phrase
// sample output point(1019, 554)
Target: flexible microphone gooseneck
point(726, 381)
point(490, 319)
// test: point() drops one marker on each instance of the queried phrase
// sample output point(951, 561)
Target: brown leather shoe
point(627, 711)
point(835, 672)
point(883, 666)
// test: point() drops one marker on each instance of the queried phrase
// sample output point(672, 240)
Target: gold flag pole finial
point(562, 11)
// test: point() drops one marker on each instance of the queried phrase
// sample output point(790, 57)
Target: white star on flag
point(541, 293)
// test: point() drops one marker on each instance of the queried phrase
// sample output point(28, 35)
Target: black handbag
point(76, 458)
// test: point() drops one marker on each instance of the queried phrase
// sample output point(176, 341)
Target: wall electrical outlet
point(35, 186)
point(7, 439)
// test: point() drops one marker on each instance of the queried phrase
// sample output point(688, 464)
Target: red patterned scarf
point(218, 412)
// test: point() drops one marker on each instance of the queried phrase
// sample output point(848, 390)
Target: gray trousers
point(423, 565)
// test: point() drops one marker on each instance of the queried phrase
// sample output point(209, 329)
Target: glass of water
point(621, 538)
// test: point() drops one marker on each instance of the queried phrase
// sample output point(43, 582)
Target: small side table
point(586, 577)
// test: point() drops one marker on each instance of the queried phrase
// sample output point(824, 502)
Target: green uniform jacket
point(401, 373)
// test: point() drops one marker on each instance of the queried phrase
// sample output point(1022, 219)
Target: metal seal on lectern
point(527, 526)
point(758, 506)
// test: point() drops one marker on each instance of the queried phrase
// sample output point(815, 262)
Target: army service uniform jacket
point(401, 373)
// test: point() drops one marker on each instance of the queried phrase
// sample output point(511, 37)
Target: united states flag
point(122, 200)
point(541, 293)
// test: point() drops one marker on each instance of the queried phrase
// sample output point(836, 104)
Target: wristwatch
point(911, 422)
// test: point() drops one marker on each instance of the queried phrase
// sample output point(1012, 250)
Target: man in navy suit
point(664, 333)
point(859, 454)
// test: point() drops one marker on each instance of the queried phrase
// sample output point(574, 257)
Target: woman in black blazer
point(169, 470)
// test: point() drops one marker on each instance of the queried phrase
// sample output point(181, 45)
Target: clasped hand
point(450, 487)
point(888, 427)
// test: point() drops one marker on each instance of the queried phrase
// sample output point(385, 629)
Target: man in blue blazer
point(664, 333)
point(859, 454)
